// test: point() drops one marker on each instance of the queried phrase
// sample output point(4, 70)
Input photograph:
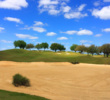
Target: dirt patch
point(60, 80)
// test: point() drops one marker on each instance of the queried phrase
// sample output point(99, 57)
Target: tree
point(16, 44)
point(54, 46)
point(45, 45)
point(93, 49)
point(61, 47)
point(38, 46)
point(80, 48)
point(87, 50)
point(99, 50)
point(29, 46)
point(106, 49)
point(20, 43)
point(73, 47)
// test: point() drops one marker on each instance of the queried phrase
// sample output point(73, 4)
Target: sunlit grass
point(49, 56)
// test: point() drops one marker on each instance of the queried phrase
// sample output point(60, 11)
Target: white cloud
point(98, 35)
point(106, 30)
point(47, 2)
point(24, 36)
point(84, 32)
point(13, 4)
point(3, 49)
point(106, 0)
point(87, 45)
point(17, 20)
point(37, 26)
point(55, 7)
point(51, 34)
point(39, 29)
point(80, 32)
point(1, 29)
point(66, 8)
point(62, 38)
point(97, 3)
point(49, 6)
point(53, 12)
point(103, 13)
point(85, 41)
point(72, 15)
point(81, 7)
point(38, 23)
point(71, 32)
point(5, 41)
point(76, 13)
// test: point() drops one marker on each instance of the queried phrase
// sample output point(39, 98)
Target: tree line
point(54, 46)
point(105, 48)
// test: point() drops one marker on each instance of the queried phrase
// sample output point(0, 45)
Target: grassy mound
point(20, 55)
point(6, 95)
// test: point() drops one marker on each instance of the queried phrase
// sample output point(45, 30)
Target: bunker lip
point(59, 80)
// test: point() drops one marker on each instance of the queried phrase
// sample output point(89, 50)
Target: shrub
point(19, 80)
point(75, 62)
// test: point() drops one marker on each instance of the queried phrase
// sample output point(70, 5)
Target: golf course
point(53, 76)
point(54, 49)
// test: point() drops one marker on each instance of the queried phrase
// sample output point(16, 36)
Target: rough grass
point(48, 56)
point(6, 95)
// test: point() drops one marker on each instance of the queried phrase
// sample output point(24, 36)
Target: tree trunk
point(104, 54)
point(107, 54)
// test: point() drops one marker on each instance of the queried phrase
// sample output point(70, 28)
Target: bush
point(75, 62)
point(19, 80)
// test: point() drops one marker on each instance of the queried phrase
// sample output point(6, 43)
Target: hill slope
point(48, 56)
point(6, 95)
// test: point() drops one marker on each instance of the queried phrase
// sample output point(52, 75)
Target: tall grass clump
point(19, 80)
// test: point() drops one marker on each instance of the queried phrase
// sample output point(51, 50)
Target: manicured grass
point(48, 56)
point(6, 95)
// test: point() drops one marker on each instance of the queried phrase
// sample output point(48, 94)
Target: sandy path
point(59, 81)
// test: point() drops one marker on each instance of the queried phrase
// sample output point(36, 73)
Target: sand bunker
point(59, 81)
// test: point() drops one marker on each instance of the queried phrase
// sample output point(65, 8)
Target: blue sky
point(63, 21)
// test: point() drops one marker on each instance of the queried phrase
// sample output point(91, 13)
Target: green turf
point(48, 56)
point(6, 95)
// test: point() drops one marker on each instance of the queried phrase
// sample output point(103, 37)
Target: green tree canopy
point(20, 43)
point(80, 48)
point(54, 46)
point(16, 44)
point(93, 49)
point(106, 49)
point(73, 47)
point(61, 47)
point(29, 46)
point(44, 45)
point(38, 46)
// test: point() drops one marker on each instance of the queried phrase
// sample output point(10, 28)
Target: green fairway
point(48, 56)
point(6, 95)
